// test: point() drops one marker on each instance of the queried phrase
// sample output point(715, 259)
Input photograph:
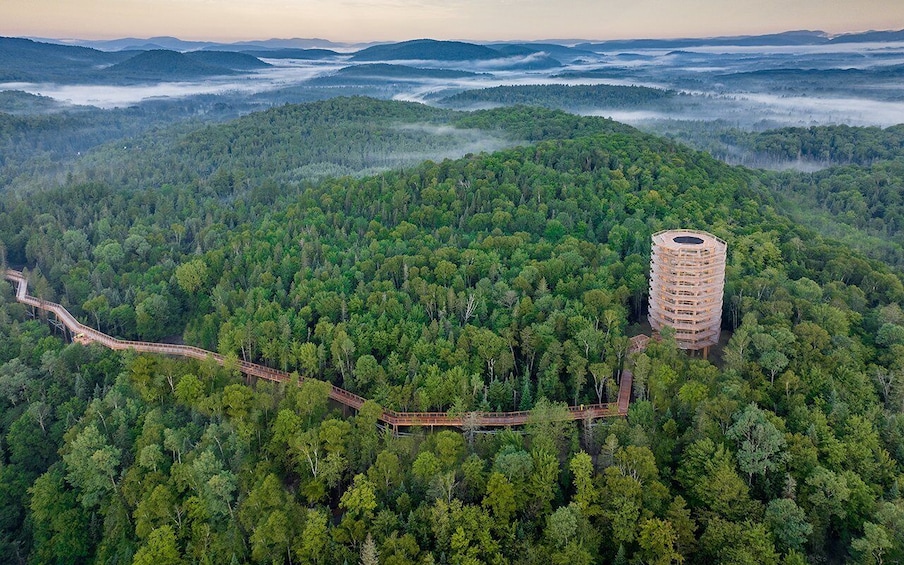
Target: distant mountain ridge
point(176, 44)
point(24, 60)
point(166, 58)
point(289, 53)
point(554, 47)
point(788, 38)
point(802, 37)
point(869, 36)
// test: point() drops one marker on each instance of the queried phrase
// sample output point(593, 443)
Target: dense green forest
point(380, 71)
point(849, 187)
point(861, 206)
point(498, 281)
point(41, 140)
point(565, 97)
point(826, 145)
point(335, 137)
point(859, 198)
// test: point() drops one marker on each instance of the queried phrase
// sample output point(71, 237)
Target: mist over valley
point(738, 76)
point(748, 83)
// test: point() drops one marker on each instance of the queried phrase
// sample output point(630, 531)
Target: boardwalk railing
point(342, 396)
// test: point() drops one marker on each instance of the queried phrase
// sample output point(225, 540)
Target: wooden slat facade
point(687, 279)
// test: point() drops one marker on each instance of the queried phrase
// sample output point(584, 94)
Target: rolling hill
point(385, 70)
point(559, 52)
point(32, 61)
point(427, 49)
point(162, 64)
point(227, 60)
point(26, 60)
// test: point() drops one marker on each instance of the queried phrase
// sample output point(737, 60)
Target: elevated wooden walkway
point(85, 334)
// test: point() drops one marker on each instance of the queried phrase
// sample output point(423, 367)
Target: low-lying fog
point(745, 86)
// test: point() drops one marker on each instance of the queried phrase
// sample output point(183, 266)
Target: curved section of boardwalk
point(342, 396)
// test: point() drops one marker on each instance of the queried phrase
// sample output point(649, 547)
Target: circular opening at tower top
point(688, 240)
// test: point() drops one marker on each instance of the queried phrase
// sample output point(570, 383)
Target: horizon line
point(828, 35)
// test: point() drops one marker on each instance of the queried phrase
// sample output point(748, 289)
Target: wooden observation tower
point(687, 279)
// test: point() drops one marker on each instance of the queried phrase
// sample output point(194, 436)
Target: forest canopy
point(506, 280)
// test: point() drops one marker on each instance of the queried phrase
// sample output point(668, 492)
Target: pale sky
point(365, 20)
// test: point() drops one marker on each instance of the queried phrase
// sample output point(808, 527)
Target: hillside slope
point(160, 64)
point(426, 49)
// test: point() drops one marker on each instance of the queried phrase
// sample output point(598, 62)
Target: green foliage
point(564, 97)
point(499, 281)
point(839, 144)
point(334, 137)
point(761, 445)
point(192, 275)
point(658, 541)
point(788, 524)
point(60, 533)
point(853, 195)
point(742, 543)
point(92, 465)
point(160, 549)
